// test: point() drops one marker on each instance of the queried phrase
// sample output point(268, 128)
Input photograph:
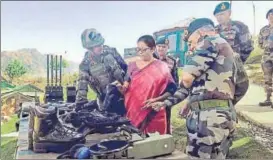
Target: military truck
point(177, 46)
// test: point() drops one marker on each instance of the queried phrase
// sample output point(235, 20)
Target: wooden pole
point(254, 18)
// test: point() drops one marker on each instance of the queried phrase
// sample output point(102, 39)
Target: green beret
point(270, 11)
point(163, 40)
point(196, 24)
point(224, 6)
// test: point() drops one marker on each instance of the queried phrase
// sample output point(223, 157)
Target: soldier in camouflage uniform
point(100, 67)
point(237, 35)
point(265, 41)
point(162, 46)
point(208, 81)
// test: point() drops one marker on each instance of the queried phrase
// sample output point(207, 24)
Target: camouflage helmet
point(91, 38)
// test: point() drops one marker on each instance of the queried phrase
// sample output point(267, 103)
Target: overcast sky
point(53, 27)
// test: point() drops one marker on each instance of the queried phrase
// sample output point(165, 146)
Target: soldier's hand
point(184, 111)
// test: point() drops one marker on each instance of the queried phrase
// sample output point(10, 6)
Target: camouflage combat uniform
point(171, 62)
point(238, 36)
point(173, 67)
point(210, 123)
point(98, 71)
point(265, 41)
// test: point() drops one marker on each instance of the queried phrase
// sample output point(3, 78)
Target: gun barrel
point(47, 69)
point(51, 70)
point(56, 70)
point(60, 70)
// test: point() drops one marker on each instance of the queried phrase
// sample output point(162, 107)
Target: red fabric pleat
point(149, 83)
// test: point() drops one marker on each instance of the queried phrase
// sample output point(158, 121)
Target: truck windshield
point(172, 42)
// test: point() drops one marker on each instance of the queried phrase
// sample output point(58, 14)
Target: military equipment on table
point(107, 148)
point(49, 134)
point(54, 93)
point(63, 108)
point(94, 122)
point(71, 94)
point(127, 143)
point(140, 146)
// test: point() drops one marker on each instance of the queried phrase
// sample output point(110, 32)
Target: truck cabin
point(177, 46)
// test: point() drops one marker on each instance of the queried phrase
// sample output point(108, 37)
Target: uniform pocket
point(192, 122)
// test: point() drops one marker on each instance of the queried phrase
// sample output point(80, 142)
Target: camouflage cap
point(195, 25)
point(91, 38)
point(224, 6)
point(270, 11)
point(162, 40)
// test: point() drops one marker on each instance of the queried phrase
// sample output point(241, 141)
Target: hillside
point(33, 60)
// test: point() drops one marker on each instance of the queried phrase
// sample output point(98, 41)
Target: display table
point(22, 151)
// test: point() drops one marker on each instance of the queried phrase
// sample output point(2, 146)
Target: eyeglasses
point(142, 50)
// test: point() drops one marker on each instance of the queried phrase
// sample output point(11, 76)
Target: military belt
point(206, 104)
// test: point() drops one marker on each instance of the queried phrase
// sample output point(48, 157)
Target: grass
point(9, 126)
point(179, 128)
point(8, 145)
point(244, 146)
point(256, 74)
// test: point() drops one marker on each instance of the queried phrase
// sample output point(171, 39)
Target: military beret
point(195, 25)
point(221, 7)
point(270, 11)
point(163, 40)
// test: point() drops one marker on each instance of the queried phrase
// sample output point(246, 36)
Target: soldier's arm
point(82, 89)
point(261, 39)
point(197, 64)
point(175, 73)
point(120, 60)
point(180, 95)
point(246, 42)
point(119, 71)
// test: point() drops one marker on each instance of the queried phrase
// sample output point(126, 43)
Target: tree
point(15, 69)
point(65, 63)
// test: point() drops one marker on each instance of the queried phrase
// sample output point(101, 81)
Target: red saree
point(149, 82)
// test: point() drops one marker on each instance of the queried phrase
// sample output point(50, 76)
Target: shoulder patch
point(171, 57)
point(84, 65)
point(265, 28)
point(239, 25)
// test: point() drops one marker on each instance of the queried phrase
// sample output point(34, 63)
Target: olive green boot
point(49, 134)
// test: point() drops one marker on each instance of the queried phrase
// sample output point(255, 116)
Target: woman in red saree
point(149, 80)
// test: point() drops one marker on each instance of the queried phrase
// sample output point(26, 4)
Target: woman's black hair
point(148, 40)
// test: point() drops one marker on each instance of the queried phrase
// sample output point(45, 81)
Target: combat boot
point(49, 134)
point(267, 102)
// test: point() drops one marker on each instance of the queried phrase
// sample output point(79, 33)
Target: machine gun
point(53, 93)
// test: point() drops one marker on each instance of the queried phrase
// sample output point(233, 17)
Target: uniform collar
point(229, 23)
